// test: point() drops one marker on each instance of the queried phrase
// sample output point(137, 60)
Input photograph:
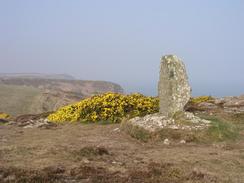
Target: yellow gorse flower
point(109, 106)
point(4, 116)
point(200, 99)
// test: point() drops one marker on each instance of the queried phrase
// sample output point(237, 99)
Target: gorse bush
point(200, 99)
point(111, 107)
point(4, 115)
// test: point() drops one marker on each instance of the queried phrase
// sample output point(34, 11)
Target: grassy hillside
point(37, 76)
point(37, 95)
point(21, 96)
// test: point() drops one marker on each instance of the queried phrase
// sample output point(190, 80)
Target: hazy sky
point(122, 41)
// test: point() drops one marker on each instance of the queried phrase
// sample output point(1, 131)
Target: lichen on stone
point(173, 87)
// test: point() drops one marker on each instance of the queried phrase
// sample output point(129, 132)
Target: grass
point(3, 123)
point(143, 135)
point(236, 119)
point(17, 99)
point(136, 131)
point(225, 126)
point(90, 151)
point(177, 135)
point(222, 131)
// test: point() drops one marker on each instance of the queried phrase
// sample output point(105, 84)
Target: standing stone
point(173, 88)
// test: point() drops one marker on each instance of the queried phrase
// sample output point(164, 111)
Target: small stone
point(116, 129)
point(86, 161)
point(28, 126)
point(166, 141)
point(182, 142)
point(10, 178)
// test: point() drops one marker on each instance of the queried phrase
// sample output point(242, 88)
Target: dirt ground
point(104, 153)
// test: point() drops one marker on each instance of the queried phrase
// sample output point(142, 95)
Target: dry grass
point(103, 153)
point(153, 172)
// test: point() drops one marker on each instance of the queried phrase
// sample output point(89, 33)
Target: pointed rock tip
point(170, 56)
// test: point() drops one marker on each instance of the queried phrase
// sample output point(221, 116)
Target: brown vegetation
point(105, 153)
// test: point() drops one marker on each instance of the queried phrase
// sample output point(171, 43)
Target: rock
point(182, 142)
point(173, 88)
point(33, 123)
point(174, 93)
point(156, 122)
point(28, 117)
point(233, 104)
point(194, 119)
point(152, 122)
point(166, 141)
point(226, 104)
point(207, 106)
point(116, 130)
point(86, 161)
